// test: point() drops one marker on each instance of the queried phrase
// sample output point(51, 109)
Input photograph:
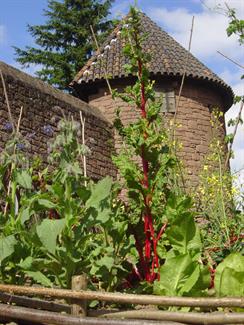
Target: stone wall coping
point(35, 83)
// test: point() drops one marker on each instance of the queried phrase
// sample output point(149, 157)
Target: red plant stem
point(148, 220)
point(144, 269)
point(162, 230)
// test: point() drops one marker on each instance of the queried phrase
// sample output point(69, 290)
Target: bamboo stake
point(99, 52)
point(82, 121)
point(125, 298)
point(231, 60)
point(173, 133)
point(184, 72)
point(7, 101)
point(12, 165)
point(40, 316)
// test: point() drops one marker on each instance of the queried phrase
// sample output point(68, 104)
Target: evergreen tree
point(65, 42)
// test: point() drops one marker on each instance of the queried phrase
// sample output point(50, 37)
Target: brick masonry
point(193, 117)
point(43, 106)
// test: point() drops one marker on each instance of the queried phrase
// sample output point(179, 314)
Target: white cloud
point(209, 33)
point(2, 33)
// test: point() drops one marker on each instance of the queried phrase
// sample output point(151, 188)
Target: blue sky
point(174, 16)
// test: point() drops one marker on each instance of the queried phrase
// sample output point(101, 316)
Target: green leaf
point(203, 281)
point(104, 215)
point(106, 261)
point(7, 246)
point(231, 283)
point(39, 277)
point(195, 245)
point(191, 281)
point(23, 178)
point(25, 215)
point(26, 263)
point(229, 276)
point(48, 232)
point(99, 192)
point(181, 232)
point(46, 203)
point(177, 276)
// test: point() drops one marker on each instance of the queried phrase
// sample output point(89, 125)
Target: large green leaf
point(23, 178)
point(7, 246)
point(229, 276)
point(181, 232)
point(232, 283)
point(39, 277)
point(177, 276)
point(99, 192)
point(48, 232)
point(191, 280)
point(195, 246)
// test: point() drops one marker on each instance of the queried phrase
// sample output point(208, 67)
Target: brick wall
point(43, 106)
point(193, 116)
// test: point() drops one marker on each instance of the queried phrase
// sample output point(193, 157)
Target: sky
point(175, 17)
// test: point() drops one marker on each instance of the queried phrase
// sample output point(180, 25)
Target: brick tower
point(202, 91)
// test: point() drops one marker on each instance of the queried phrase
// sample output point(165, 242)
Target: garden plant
point(127, 235)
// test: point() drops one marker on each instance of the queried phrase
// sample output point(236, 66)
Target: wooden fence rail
point(39, 316)
point(125, 298)
point(78, 300)
point(34, 303)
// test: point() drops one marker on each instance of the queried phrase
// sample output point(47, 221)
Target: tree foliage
point(64, 42)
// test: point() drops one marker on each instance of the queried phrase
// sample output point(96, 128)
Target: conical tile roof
point(168, 58)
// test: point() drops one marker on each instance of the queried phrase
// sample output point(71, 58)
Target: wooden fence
point(17, 305)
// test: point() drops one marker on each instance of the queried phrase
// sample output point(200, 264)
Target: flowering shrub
point(221, 223)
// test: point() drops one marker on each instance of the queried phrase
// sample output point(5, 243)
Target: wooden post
point(79, 308)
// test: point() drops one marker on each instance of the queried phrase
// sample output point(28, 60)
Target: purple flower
point(20, 146)
point(48, 130)
point(8, 127)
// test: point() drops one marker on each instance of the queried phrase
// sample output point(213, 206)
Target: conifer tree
point(64, 42)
